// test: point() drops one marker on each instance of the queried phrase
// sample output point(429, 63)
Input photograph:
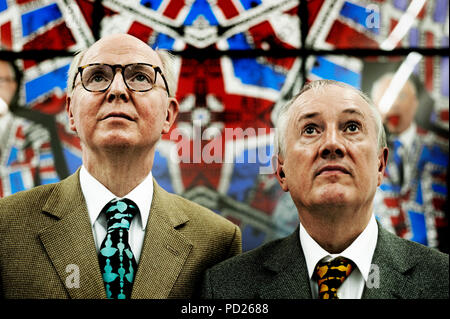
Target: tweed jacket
point(277, 270)
point(46, 240)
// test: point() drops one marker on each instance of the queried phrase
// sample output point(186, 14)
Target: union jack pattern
point(223, 91)
point(25, 156)
point(413, 206)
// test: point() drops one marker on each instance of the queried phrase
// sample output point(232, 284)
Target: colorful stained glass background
point(237, 62)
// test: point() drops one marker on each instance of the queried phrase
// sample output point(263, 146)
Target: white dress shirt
point(97, 196)
point(360, 252)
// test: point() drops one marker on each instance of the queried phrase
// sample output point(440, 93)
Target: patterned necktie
point(330, 275)
point(117, 263)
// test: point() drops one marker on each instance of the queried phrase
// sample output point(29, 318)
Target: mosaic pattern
point(411, 200)
point(220, 92)
point(26, 157)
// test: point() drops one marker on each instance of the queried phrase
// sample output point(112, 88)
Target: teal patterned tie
point(117, 263)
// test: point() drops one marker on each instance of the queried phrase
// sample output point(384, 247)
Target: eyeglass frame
point(122, 67)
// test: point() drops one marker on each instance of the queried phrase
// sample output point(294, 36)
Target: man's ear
point(70, 114)
point(280, 174)
point(171, 114)
point(382, 162)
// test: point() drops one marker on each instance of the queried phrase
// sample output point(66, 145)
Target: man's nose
point(118, 89)
point(332, 146)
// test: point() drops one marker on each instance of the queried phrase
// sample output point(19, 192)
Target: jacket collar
point(388, 278)
point(165, 249)
point(288, 266)
point(69, 243)
point(391, 263)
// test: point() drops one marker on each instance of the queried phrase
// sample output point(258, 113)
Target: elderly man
point(26, 158)
point(109, 230)
point(331, 158)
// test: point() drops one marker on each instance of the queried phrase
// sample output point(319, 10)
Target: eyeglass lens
point(139, 77)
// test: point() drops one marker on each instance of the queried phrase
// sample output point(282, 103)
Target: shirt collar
point(360, 251)
point(407, 137)
point(97, 196)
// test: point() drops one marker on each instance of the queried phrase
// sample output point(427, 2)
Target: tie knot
point(119, 213)
point(331, 274)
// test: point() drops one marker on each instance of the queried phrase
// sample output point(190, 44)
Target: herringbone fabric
point(47, 247)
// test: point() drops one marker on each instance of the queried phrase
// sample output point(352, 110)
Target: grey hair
point(167, 68)
point(283, 114)
point(73, 70)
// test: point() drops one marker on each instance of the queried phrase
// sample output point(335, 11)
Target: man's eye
point(97, 77)
point(352, 127)
point(310, 129)
point(140, 77)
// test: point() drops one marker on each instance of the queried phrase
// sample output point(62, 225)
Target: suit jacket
point(277, 270)
point(46, 240)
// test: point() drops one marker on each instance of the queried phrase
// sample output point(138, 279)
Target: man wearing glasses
point(109, 230)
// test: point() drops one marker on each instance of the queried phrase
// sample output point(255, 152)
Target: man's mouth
point(332, 169)
point(118, 115)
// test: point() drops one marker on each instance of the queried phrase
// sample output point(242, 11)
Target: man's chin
point(113, 139)
point(333, 202)
point(333, 195)
point(117, 144)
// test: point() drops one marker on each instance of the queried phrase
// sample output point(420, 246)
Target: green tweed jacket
point(47, 246)
point(277, 270)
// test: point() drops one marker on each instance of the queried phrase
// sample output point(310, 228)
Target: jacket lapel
point(290, 275)
point(164, 251)
point(69, 242)
point(388, 278)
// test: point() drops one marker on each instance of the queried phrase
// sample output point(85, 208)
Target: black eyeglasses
point(139, 77)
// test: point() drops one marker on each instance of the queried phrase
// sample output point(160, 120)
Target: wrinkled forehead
point(331, 101)
point(120, 49)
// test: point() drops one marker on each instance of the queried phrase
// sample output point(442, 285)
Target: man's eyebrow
point(308, 116)
point(353, 111)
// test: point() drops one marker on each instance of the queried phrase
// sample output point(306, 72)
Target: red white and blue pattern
point(222, 92)
point(26, 158)
point(413, 206)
